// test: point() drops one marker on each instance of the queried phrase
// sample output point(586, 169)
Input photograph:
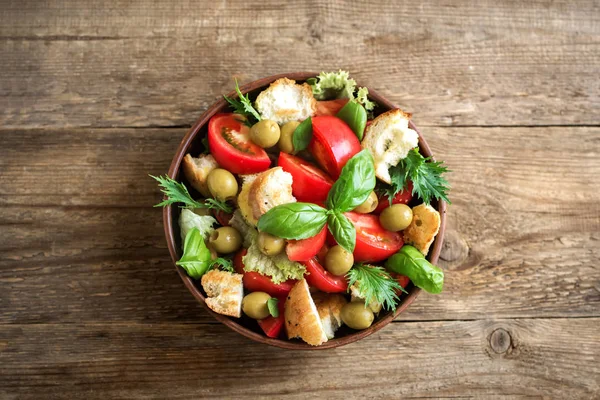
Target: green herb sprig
point(375, 283)
point(426, 176)
point(176, 192)
point(243, 106)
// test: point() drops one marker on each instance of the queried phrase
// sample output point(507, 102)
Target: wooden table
point(94, 96)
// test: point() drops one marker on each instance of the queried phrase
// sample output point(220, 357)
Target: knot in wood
point(500, 341)
point(455, 248)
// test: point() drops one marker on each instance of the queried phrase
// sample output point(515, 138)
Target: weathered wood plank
point(76, 246)
point(541, 358)
point(143, 63)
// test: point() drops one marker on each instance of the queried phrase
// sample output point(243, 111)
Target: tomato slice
point(255, 282)
point(229, 143)
point(330, 107)
point(305, 249)
point(309, 184)
point(402, 197)
point(322, 279)
point(271, 326)
point(373, 242)
point(333, 143)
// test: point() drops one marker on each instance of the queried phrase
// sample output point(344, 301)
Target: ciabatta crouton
point(286, 101)
point(423, 228)
point(225, 292)
point(243, 200)
point(329, 307)
point(302, 319)
point(196, 171)
point(374, 305)
point(389, 139)
point(271, 188)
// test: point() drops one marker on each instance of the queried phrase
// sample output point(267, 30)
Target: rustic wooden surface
point(96, 95)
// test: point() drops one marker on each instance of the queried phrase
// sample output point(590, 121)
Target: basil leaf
point(411, 262)
point(342, 230)
point(196, 256)
point(293, 220)
point(272, 306)
point(355, 184)
point(302, 135)
point(355, 116)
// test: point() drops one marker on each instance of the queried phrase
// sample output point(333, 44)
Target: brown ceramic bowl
point(246, 326)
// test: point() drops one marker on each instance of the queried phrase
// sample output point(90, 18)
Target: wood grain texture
point(542, 358)
point(78, 226)
point(143, 63)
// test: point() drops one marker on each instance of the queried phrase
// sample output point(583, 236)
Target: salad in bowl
point(307, 211)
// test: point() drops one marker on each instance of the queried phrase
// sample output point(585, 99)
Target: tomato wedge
point(373, 242)
point(271, 326)
point(330, 107)
point(230, 145)
point(402, 197)
point(309, 184)
point(333, 143)
point(305, 249)
point(322, 279)
point(255, 282)
point(222, 217)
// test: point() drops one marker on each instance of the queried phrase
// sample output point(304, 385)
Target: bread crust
point(423, 228)
point(196, 171)
point(329, 307)
point(225, 292)
point(282, 111)
point(261, 196)
point(302, 319)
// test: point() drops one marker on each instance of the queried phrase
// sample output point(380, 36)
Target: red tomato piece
point(322, 279)
point(333, 144)
point(373, 242)
point(330, 107)
point(402, 280)
point(230, 145)
point(222, 217)
point(271, 326)
point(255, 282)
point(305, 249)
point(309, 184)
point(402, 197)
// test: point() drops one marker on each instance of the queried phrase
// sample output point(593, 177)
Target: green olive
point(203, 211)
point(357, 316)
point(265, 133)
point(225, 240)
point(255, 306)
point(369, 205)
point(285, 141)
point(396, 217)
point(222, 184)
point(270, 245)
point(338, 260)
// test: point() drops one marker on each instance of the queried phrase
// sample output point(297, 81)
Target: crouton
point(329, 307)
point(389, 139)
point(271, 188)
point(243, 200)
point(423, 228)
point(302, 319)
point(196, 171)
point(224, 292)
point(286, 101)
point(374, 305)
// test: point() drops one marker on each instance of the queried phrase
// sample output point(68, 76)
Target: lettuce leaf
point(332, 85)
point(188, 220)
point(248, 232)
point(362, 98)
point(279, 268)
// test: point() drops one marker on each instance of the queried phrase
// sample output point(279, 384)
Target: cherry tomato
point(309, 184)
point(321, 279)
point(222, 217)
point(230, 145)
point(402, 197)
point(271, 326)
point(255, 282)
point(333, 143)
point(373, 242)
point(330, 107)
point(305, 249)
point(402, 280)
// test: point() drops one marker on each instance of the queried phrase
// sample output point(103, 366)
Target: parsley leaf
point(272, 305)
point(176, 192)
point(224, 263)
point(426, 176)
point(243, 106)
point(375, 284)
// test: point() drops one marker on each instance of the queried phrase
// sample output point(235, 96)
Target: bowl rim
point(168, 224)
